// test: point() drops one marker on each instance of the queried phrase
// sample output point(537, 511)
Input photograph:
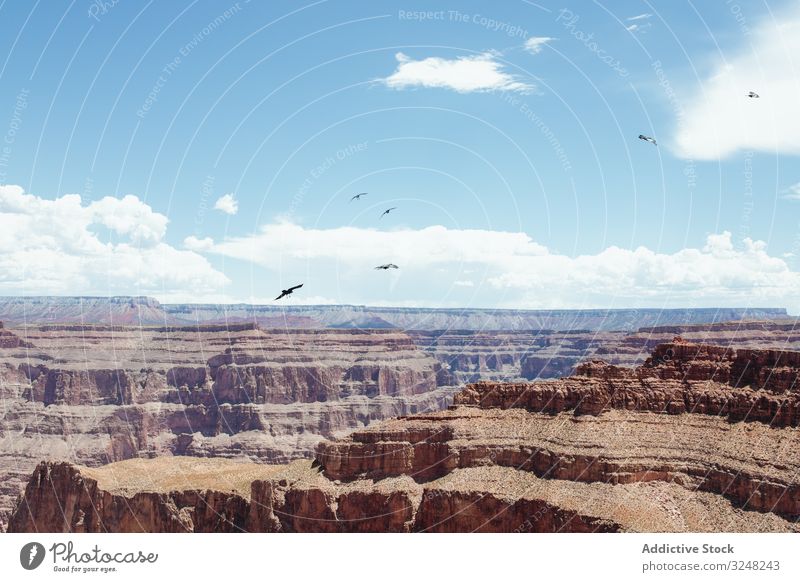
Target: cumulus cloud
point(117, 246)
point(535, 44)
point(110, 246)
point(510, 269)
point(227, 204)
point(720, 119)
point(466, 74)
point(198, 244)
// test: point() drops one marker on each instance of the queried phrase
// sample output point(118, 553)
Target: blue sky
point(206, 151)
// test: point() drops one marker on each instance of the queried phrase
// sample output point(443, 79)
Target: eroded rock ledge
point(738, 384)
point(96, 394)
point(216, 495)
point(663, 447)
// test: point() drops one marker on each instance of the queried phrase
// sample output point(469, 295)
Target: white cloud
point(433, 245)
point(227, 204)
point(129, 217)
point(509, 269)
point(479, 73)
point(198, 244)
point(792, 192)
point(637, 27)
point(535, 44)
point(720, 119)
point(640, 22)
point(116, 246)
point(110, 246)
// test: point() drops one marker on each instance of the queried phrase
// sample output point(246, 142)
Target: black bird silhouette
point(288, 291)
point(753, 95)
point(385, 212)
point(387, 266)
point(358, 196)
point(647, 138)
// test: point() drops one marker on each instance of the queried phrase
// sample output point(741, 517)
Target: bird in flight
point(358, 196)
point(385, 212)
point(648, 138)
point(753, 95)
point(287, 292)
point(387, 266)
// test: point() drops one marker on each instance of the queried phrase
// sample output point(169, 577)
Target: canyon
point(148, 311)
point(84, 381)
point(698, 437)
point(96, 394)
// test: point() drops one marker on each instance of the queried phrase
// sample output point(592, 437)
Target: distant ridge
point(140, 310)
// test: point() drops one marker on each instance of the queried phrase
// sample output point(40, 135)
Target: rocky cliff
point(698, 438)
point(148, 311)
point(504, 356)
point(744, 384)
point(95, 394)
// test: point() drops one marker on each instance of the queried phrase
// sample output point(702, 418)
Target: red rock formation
point(84, 507)
point(495, 485)
point(95, 394)
point(745, 384)
point(9, 340)
point(99, 394)
point(657, 448)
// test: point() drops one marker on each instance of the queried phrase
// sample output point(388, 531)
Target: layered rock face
point(634, 348)
point(95, 394)
point(105, 310)
point(503, 356)
point(667, 446)
point(9, 340)
point(743, 384)
point(476, 344)
point(507, 356)
point(148, 311)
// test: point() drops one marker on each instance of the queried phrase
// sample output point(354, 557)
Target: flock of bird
point(387, 266)
point(384, 267)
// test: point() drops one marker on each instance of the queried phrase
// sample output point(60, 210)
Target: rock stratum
point(697, 438)
point(149, 311)
point(95, 394)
